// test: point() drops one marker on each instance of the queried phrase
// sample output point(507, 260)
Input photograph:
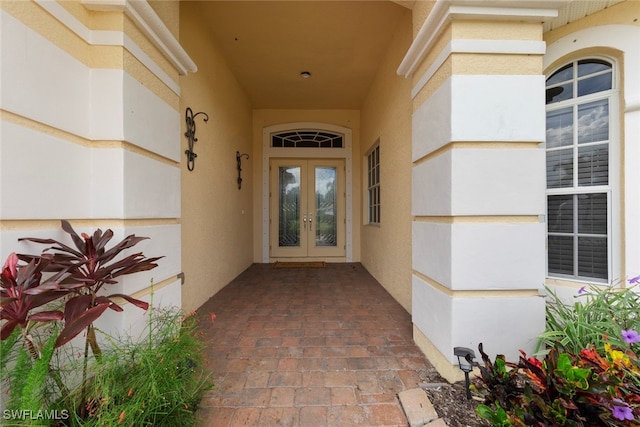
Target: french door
point(307, 208)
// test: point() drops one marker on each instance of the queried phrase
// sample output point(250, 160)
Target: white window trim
point(367, 206)
point(614, 212)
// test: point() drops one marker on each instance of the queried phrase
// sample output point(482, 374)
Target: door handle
point(304, 221)
point(310, 220)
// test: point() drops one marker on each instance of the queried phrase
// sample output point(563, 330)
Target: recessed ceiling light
point(305, 74)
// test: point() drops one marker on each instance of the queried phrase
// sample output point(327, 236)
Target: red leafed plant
point(77, 276)
point(89, 267)
point(22, 290)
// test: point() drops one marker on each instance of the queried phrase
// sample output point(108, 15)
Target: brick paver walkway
point(308, 347)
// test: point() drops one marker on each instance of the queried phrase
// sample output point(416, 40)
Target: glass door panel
point(289, 206)
point(326, 208)
point(326, 228)
point(306, 208)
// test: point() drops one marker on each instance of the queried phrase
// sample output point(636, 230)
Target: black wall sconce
point(465, 363)
point(239, 165)
point(190, 118)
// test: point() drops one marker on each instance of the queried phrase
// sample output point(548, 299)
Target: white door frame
point(308, 153)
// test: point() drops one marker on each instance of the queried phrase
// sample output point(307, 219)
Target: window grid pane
point(560, 214)
point(560, 128)
point(560, 255)
point(560, 168)
point(592, 257)
point(593, 165)
point(592, 213)
point(593, 121)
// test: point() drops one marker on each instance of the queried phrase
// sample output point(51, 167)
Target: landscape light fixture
point(465, 362)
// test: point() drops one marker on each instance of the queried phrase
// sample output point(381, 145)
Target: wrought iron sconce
point(465, 362)
point(239, 165)
point(190, 118)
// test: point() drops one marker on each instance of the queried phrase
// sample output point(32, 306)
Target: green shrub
point(597, 317)
point(158, 381)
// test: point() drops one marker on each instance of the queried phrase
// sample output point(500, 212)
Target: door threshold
point(299, 264)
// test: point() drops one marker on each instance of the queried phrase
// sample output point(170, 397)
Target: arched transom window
point(579, 132)
point(307, 139)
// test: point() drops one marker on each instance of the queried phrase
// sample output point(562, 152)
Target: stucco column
point(478, 180)
point(90, 101)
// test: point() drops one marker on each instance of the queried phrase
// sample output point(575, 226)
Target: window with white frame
point(580, 100)
point(373, 185)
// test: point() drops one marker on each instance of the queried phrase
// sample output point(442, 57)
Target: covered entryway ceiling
point(269, 43)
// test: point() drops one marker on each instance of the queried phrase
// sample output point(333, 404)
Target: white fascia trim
point(501, 13)
point(502, 47)
point(150, 23)
point(443, 11)
point(427, 34)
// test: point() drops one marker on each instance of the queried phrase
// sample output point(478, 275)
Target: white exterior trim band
point(505, 47)
point(148, 22)
point(500, 47)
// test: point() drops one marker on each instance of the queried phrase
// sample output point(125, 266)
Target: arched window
point(307, 139)
point(580, 101)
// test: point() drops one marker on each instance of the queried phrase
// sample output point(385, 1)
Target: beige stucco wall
point(216, 216)
point(268, 117)
point(169, 12)
point(386, 117)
